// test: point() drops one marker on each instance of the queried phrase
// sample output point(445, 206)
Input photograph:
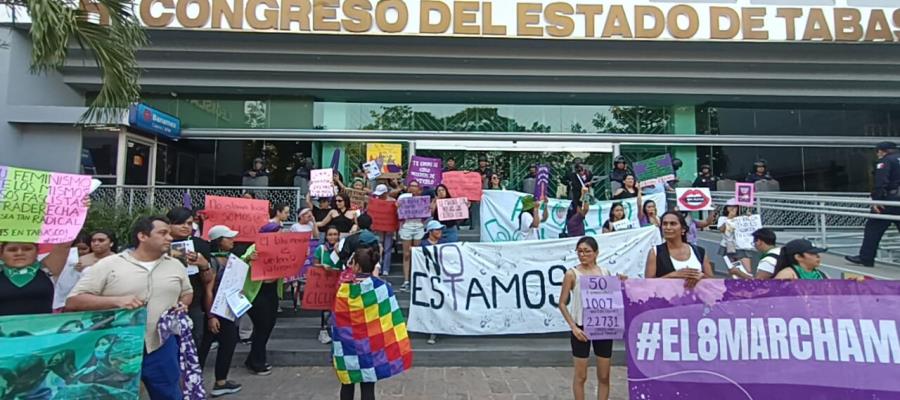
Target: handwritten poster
point(384, 215)
point(243, 215)
point(279, 255)
point(321, 289)
point(453, 209)
point(654, 170)
point(358, 197)
point(41, 207)
point(233, 277)
point(743, 230)
point(414, 207)
point(388, 153)
point(542, 184)
point(604, 307)
point(373, 171)
point(321, 183)
point(464, 184)
point(425, 170)
point(745, 194)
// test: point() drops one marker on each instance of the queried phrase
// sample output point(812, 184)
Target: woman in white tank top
point(573, 313)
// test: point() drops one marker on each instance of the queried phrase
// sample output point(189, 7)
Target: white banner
point(500, 211)
point(508, 288)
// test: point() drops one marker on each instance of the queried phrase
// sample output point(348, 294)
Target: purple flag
point(542, 181)
point(753, 339)
point(186, 200)
point(335, 159)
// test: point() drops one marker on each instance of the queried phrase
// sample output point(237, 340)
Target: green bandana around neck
point(21, 276)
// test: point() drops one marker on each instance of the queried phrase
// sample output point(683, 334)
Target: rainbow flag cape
point(369, 333)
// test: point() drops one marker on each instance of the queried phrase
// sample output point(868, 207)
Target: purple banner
point(310, 260)
point(543, 181)
point(425, 170)
point(414, 207)
point(750, 339)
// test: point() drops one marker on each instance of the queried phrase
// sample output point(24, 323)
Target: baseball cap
point(433, 225)
point(380, 190)
point(221, 231)
point(886, 146)
point(800, 246)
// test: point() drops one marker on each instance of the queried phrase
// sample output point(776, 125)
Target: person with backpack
point(676, 258)
point(764, 241)
point(800, 260)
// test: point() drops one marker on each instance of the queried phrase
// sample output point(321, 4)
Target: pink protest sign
point(41, 207)
point(425, 170)
point(464, 184)
point(745, 194)
point(453, 209)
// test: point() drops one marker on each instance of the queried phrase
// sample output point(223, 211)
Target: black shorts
point(602, 348)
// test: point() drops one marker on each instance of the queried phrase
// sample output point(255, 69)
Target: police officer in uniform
point(760, 172)
point(887, 187)
point(705, 179)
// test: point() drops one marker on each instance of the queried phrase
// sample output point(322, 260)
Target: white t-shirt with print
point(767, 264)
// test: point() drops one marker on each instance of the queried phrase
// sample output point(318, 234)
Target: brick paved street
point(315, 383)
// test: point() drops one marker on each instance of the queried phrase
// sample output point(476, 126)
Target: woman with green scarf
point(799, 259)
point(26, 286)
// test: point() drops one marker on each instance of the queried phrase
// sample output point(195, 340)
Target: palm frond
point(55, 24)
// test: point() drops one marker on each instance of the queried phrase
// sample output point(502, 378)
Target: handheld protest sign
point(693, 199)
point(243, 215)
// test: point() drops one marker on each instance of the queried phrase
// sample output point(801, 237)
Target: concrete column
point(685, 123)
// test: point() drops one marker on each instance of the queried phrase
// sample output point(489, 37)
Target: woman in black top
point(628, 190)
point(25, 284)
point(676, 258)
point(616, 214)
point(341, 216)
point(181, 226)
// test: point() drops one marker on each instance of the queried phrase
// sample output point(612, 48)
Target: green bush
point(117, 219)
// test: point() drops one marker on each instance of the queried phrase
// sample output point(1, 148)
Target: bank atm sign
point(146, 119)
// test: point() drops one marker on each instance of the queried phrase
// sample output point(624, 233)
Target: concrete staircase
point(295, 341)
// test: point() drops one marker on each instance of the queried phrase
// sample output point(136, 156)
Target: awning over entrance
point(514, 146)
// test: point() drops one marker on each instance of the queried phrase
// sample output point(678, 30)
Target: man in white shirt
point(764, 241)
point(306, 223)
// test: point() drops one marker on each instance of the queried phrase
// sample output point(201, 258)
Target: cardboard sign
point(384, 215)
point(453, 209)
point(233, 277)
point(654, 170)
point(372, 170)
point(321, 183)
point(745, 194)
point(543, 181)
point(388, 153)
point(41, 207)
point(743, 230)
point(693, 199)
point(321, 289)
point(243, 215)
point(604, 307)
point(464, 184)
point(425, 170)
point(279, 255)
point(414, 207)
point(358, 198)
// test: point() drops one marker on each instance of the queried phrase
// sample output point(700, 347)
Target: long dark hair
point(644, 209)
point(624, 178)
point(113, 242)
point(590, 242)
point(344, 196)
point(449, 196)
point(681, 221)
point(613, 209)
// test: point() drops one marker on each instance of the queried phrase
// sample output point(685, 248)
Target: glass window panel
point(290, 114)
point(823, 123)
point(99, 150)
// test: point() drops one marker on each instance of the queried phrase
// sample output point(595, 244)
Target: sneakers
point(432, 339)
point(266, 370)
point(324, 338)
point(404, 287)
point(228, 387)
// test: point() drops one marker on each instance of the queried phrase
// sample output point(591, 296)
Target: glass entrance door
point(139, 160)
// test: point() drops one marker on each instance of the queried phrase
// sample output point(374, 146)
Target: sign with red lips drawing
point(693, 199)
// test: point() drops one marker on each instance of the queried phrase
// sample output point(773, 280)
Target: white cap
point(380, 190)
point(221, 231)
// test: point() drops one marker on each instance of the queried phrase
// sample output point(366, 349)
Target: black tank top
point(34, 298)
point(342, 223)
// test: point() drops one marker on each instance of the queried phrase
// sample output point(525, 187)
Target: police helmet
point(619, 159)
point(760, 163)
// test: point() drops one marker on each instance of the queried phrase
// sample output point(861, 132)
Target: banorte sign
point(734, 20)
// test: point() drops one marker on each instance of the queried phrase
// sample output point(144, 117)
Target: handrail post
point(822, 220)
